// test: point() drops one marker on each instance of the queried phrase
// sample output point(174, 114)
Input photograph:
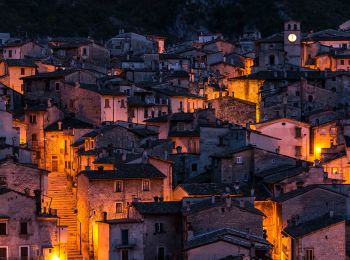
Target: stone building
point(112, 191)
point(25, 231)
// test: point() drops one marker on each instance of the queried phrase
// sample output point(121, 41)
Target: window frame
point(143, 184)
point(115, 186)
point(19, 251)
point(20, 228)
point(6, 227)
point(7, 251)
point(122, 204)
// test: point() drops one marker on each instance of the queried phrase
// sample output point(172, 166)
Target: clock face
point(292, 37)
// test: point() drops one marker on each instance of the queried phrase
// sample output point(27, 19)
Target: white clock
point(292, 37)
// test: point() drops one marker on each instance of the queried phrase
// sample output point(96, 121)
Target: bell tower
point(292, 42)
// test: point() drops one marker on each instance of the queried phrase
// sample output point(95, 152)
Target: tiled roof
point(311, 226)
point(219, 201)
point(301, 191)
point(277, 37)
point(69, 123)
point(229, 235)
point(21, 63)
point(78, 142)
point(158, 208)
point(328, 34)
point(51, 75)
point(280, 173)
point(143, 132)
point(125, 171)
point(159, 119)
point(102, 90)
point(208, 188)
point(182, 116)
point(189, 133)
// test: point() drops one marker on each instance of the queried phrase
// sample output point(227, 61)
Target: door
point(54, 164)
point(125, 254)
point(24, 252)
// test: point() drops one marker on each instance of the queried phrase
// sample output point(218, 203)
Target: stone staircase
point(64, 200)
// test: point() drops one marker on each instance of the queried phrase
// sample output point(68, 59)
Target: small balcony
point(126, 244)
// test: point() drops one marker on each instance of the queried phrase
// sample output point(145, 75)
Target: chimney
point(59, 123)
point(37, 194)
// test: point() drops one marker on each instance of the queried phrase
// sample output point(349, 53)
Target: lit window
point(239, 160)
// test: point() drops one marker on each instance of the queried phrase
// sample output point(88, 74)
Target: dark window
point(3, 228)
point(3, 253)
point(32, 119)
point(10, 53)
point(24, 228)
point(24, 252)
point(342, 62)
point(194, 167)
point(84, 51)
point(161, 253)
point(122, 103)
point(309, 254)
point(181, 106)
point(34, 137)
point(272, 60)
point(295, 27)
point(158, 228)
point(125, 254)
point(297, 93)
point(57, 86)
point(146, 113)
point(47, 86)
point(125, 236)
point(310, 98)
point(146, 185)
point(23, 71)
point(298, 150)
point(118, 186)
point(289, 27)
point(295, 104)
point(297, 132)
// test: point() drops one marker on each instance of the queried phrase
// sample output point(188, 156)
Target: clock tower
point(292, 42)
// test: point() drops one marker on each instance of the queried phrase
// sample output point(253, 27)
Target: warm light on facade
point(318, 150)
point(55, 257)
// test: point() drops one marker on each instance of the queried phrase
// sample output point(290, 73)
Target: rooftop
point(158, 208)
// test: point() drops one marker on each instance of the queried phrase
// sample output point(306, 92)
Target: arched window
point(295, 27)
point(289, 26)
point(272, 60)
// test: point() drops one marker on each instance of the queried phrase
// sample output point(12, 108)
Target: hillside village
point(134, 148)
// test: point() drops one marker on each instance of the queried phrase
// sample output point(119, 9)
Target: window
point(309, 254)
point(32, 119)
point(122, 103)
point(23, 228)
point(297, 132)
point(3, 252)
point(125, 254)
point(3, 228)
point(272, 60)
point(146, 185)
point(158, 228)
point(335, 170)
point(194, 167)
point(333, 131)
point(161, 253)
point(107, 103)
point(57, 86)
point(65, 147)
point(298, 150)
point(125, 236)
point(239, 160)
point(181, 106)
point(92, 144)
point(310, 98)
point(3, 181)
point(221, 140)
point(84, 51)
point(24, 252)
point(342, 62)
point(47, 86)
point(23, 71)
point(34, 138)
point(119, 207)
point(10, 53)
point(297, 93)
point(323, 131)
point(146, 113)
point(118, 186)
